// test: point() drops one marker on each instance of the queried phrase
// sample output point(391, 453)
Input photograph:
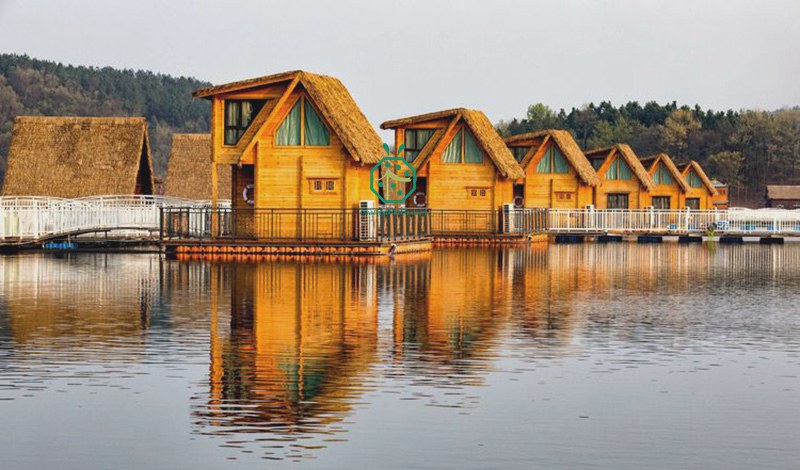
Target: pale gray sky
point(409, 57)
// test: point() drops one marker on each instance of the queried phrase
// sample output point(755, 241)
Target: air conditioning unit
point(589, 207)
point(367, 220)
point(509, 214)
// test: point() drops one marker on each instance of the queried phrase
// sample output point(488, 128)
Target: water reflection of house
point(300, 339)
point(447, 312)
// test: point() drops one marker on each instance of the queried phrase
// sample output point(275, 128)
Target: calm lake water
point(567, 356)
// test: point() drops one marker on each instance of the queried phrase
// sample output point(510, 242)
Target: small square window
point(483, 192)
point(329, 185)
point(473, 192)
point(317, 185)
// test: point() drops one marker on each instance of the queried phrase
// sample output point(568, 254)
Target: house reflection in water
point(447, 313)
point(296, 351)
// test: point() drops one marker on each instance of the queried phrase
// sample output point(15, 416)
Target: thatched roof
point(334, 103)
point(652, 162)
point(77, 156)
point(693, 165)
point(778, 191)
point(568, 147)
point(481, 128)
point(189, 170)
point(626, 152)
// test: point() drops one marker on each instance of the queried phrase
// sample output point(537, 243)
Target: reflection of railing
point(673, 221)
point(345, 225)
point(488, 222)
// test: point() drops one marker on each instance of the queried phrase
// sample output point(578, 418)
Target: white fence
point(734, 221)
point(30, 219)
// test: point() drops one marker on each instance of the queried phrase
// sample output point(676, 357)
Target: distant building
point(189, 168)
point(722, 200)
point(783, 196)
point(73, 157)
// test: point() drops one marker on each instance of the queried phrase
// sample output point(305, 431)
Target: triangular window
point(463, 149)
point(552, 161)
point(302, 127)
point(694, 180)
point(619, 170)
point(662, 175)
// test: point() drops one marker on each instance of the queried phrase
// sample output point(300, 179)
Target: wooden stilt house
point(624, 182)
point(74, 157)
point(460, 160)
point(557, 173)
point(701, 191)
point(189, 168)
point(300, 150)
point(670, 190)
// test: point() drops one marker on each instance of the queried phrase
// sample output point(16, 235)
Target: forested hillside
point(37, 87)
point(746, 149)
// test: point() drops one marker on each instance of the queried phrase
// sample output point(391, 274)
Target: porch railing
point(488, 222)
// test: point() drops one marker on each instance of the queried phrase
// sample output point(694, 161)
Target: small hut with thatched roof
point(73, 157)
point(624, 182)
point(670, 190)
point(557, 173)
point(461, 161)
point(294, 140)
point(701, 190)
point(189, 170)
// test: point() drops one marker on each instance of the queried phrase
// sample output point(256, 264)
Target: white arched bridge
point(34, 220)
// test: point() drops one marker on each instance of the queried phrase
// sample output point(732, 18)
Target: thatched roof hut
point(653, 160)
point(626, 153)
point(334, 102)
point(698, 170)
point(569, 148)
point(189, 168)
point(78, 156)
point(481, 128)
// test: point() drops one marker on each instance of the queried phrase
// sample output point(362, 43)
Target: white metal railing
point(741, 221)
point(33, 218)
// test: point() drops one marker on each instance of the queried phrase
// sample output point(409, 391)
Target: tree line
point(746, 149)
point(42, 88)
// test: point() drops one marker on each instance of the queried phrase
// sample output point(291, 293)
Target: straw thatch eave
point(333, 101)
point(568, 147)
point(653, 160)
point(480, 127)
point(190, 166)
point(693, 165)
point(77, 156)
point(627, 154)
